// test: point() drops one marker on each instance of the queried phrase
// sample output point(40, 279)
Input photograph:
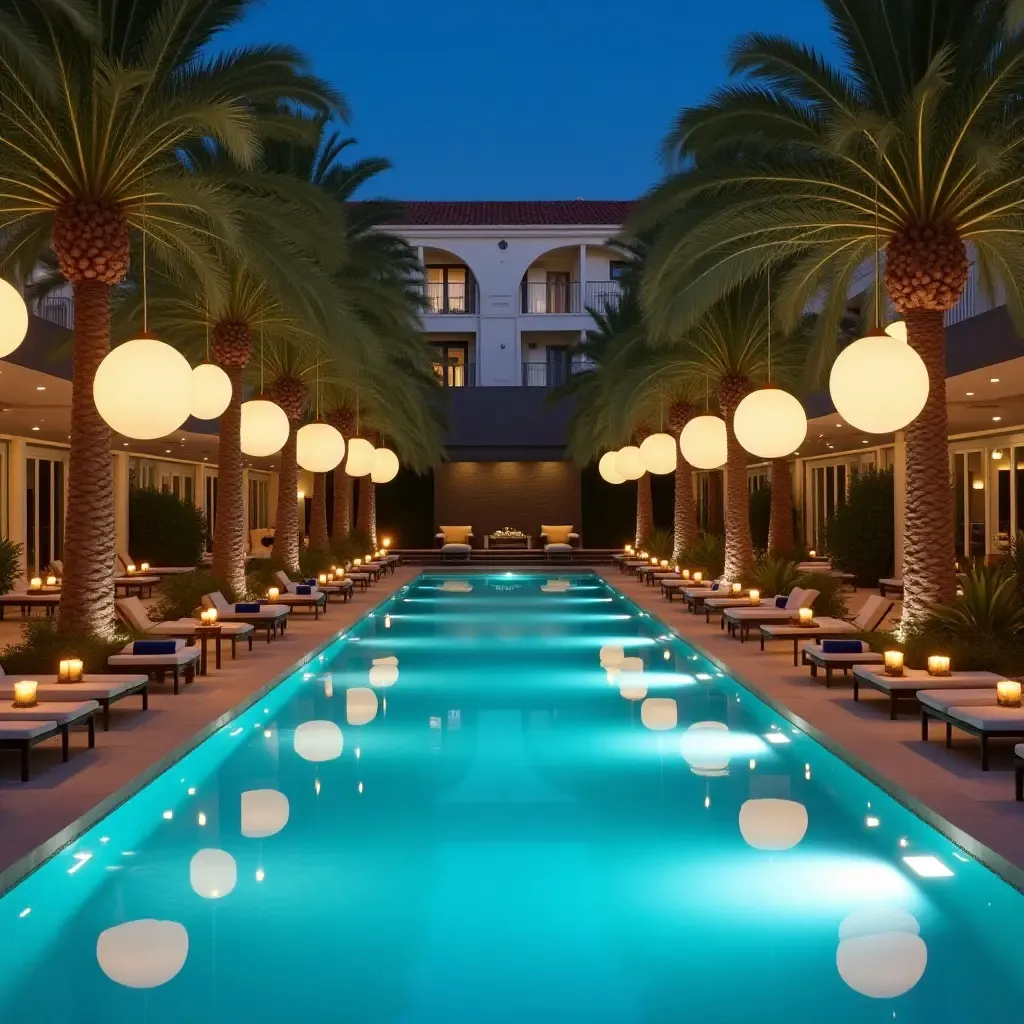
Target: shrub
point(165, 529)
point(181, 595)
point(10, 564)
point(313, 561)
point(773, 576)
point(259, 576)
point(356, 545)
point(708, 554)
point(831, 601)
point(43, 646)
point(760, 516)
point(659, 543)
point(990, 606)
point(1004, 655)
point(860, 535)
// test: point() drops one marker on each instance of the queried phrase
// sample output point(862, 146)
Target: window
point(451, 365)
point(617, 270)
point(259, 503)
point(449, 289)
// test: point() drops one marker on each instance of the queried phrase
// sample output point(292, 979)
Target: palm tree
point(96, 109)
point(909, 145)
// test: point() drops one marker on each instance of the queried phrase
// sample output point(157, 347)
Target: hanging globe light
point(385, 466)
point(211, 391)
point(703, 442)
point(265, 427)
point(658, 453)
point(319, 447)
point(879, 383)
point(13, 318)
point(360, 457)
point(629, 462)
point(143, 389)
point(770, 423)
point(608, 471)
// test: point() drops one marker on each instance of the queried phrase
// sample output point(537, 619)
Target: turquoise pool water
point(499, 801)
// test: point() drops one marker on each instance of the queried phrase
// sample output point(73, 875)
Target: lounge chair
point(739, 620)
point(300, 595)
point(271, 617)
point(22, 728)
point(696, 595)
point(142, 584)
point(843, 653)
point(104, 689)
point(157, 658)
point(559, 542)
point(713, 605)
point(867, 620)
point(155, 570)
point(975, 713)
point(26, 600)
point(455, 542)
point(133, 611)
point(890, 584)
point(914, 680)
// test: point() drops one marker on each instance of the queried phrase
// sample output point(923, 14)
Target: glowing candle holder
point(1008, 693)
point(893, 663)
point(273, 594)
point(25, 693)
point(805, 617)
point(208, 616)
point(812, 553)
point(51, 581)
point(629, 549)
point(755, 597)
point(69, 670)
point(368, 559)
point(144, 567)
point(357, 562)
point(698, 576)
point(35, 583)
point(130, 569)
point(737, 588)
point(340, 574)
point(386, 543)
point(664, 563)
point(686, 574)
point(322, 577)
point(938, 665)
point(387, 621)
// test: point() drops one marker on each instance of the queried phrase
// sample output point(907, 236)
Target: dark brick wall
point(490, 495)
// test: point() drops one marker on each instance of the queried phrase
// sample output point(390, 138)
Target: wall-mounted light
point(978, 485)
point(997, 454)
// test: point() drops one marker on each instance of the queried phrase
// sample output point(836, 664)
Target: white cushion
point(180, 658)
point(989, 718)
point(135, 612)
point(27, 730)
point(558, 547)
point(1019, 750)
point(957, 697)
point(52, 711)
point(458, 548)
point(796, 595)
point(95, 687)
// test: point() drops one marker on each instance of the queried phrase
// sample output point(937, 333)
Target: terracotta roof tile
point(516, 213)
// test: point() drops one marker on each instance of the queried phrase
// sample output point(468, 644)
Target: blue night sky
point(537, 99)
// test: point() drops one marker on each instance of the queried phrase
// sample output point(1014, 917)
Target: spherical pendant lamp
point(629, 462)
point(607, 470)
point(385, 466)
point(143, 389)
point(703, 442)
point(879, 383)
point(770, 423)
point(211, 391)
point(265, 427)
point(13, 318)
point(360, 457)
point(319, 447)
point(658, 453)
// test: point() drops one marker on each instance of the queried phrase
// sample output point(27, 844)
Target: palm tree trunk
point(229, 524)
point(87, 597)
point(341, 526)
point(780, 522)
point(739, 547)
point(644, 509)
point(684, 525)
point(929, 577)
point(318, 513)
point(286, 526)
point(366, 512)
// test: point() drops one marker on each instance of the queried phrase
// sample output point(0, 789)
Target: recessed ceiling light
point(35, 428)
point(126, 444)
point(970, 394)
point(839, 424)
point(205, 459)
point(996, 419)
point(928, 867)
point(993, 380)
point(40, 387)
point(167, 451)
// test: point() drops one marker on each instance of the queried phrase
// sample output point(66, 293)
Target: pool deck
point(59, 795)
point(949, 782)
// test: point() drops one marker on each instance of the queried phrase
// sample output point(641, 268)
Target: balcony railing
point(602, 295)
point(450, 297)
point(456, 375)
point(551, 297)
point(554, 372)
point(58, 309)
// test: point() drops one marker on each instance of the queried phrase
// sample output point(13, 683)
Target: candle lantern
point(25, 693)
point(69, 670)
point(629, 549)
point(340, 574)
point(51, 581)
point(755, 597)
point(386, 543)
point(273, 593)
point(130, 569)
point(698, 576)
point(664, 563)
point(893, 663)
point(686, 574)
point(368, 559)
point(322, 577)
point(737, 588)
point(805, 616)
point(144, 567)
point(1008, 693)
point(813, 553)
point(35, 583)
point(938, 665)
point(208, 616)
point(357, 562)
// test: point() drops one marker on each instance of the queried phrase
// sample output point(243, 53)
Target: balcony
point(450, 297)
point(456, 375)
point(550, 297)
point(58, 309)
point(602, 295)
point(554, 372)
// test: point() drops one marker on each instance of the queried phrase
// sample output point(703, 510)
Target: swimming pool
point(501, 799)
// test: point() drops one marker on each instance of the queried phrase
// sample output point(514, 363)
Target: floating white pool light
point(360, 705)
point(556, 586)
point(384, 671)
point(318, 740)
point(213, 873)
point(659, 713)
point(632, 688)
point(881, 953)
point(611, 654)
point(633, 664)
point(705, 748)
point(772, 824)
point(264, 813)
point(145, 953)
point(456, 586)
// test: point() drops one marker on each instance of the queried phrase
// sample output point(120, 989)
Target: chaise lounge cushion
point(557, 534)
point(456, 534)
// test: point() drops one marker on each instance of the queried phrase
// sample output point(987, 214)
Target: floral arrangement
point(508, 533)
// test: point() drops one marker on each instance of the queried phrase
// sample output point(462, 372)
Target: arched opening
point(449, 285)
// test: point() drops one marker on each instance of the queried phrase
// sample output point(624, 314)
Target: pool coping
point(32, 861)
point(995, 862)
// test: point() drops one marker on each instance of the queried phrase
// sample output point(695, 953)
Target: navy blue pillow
point(247, 606)
point(154, 647)
point(781, 601)
point(303, 589)
point(310, 583)
point(842, 646)
point(714, 586)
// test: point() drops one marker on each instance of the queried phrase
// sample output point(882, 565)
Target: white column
point(583, 276)
point(797, 483)
point(899, 496)
point(121, 503)
point(16, 484)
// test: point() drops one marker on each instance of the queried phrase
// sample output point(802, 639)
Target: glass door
point(45, 503)
point(969, 487)
point(450, 365)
